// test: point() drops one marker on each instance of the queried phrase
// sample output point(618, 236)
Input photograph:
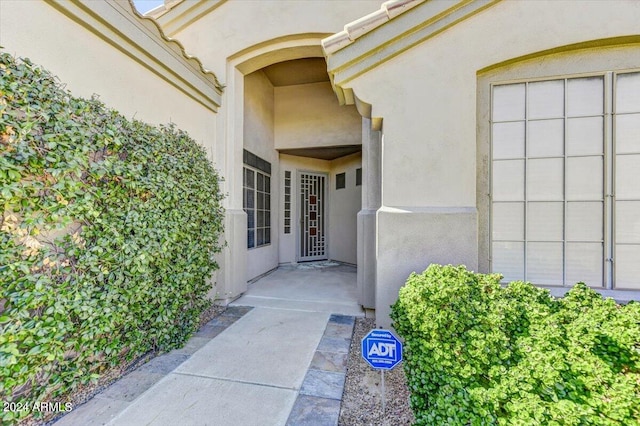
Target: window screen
point(565, 157)
point(548, 181)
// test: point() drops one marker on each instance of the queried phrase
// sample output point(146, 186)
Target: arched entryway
point(297, 183)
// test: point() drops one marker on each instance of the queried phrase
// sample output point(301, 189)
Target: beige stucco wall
point(259, 139)
point(308, 115)
point(302, 116)
point(238, 25)
point(429, 123)
point(88, 65)
point(259, 116)
point(235, 39)
point(344, 206)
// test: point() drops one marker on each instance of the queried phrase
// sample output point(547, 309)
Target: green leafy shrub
point(107, 236)
point(480, 354)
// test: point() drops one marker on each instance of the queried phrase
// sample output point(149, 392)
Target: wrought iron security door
point(313, 241)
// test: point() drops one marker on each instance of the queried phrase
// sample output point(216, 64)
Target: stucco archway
point(239, 66)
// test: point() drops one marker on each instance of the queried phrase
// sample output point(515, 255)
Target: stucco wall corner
point(410, 239)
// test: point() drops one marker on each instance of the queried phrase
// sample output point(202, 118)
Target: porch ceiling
point(328, 153)
point(297, 71)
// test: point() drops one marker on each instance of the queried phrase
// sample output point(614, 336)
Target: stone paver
point(329, 361)
point(334, 344)
point(131, 386)
point(339, 330)
point(163, 364)
point(237, 311)
point(325, 384)
point(223, 320)
point(195, 343)
point(342, 319)
point(210, 331)
point(318, 402)
point(314, 411)
point(97, 411)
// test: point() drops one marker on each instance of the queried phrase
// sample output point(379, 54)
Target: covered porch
point(322, 286)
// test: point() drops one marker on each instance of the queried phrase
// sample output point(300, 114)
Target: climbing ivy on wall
point(108, 230)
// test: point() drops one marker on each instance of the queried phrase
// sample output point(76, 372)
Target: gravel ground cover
point(361, 400)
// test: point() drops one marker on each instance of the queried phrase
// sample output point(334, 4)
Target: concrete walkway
point(276, 357)
point(314, 286)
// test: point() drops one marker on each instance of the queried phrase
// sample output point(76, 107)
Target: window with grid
point(287, 202)
point(257, 200)
point(565, 183)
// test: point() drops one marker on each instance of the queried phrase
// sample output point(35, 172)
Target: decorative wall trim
point(174, 16)
point(118, 23)
point(590, 44)
point(427, 210)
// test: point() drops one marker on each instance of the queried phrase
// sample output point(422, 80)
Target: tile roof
point(359, 27)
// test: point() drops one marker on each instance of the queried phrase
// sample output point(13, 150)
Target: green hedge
point(108, 232)
point(477, 353)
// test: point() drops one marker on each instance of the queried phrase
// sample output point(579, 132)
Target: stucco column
point(413, 234)
point(371, 198)
point(232, 280)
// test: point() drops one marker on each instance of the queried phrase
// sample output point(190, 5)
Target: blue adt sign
point(381, 349)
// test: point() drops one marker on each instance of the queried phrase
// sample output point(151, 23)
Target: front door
point(313, 240)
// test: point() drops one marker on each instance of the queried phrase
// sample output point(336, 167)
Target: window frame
point(609, 157)
point(341, 180)
point(288, 222)
point(255, 211)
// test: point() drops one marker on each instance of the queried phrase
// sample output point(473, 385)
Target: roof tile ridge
point(356, 29)
point(159, 11)
point(175, 45)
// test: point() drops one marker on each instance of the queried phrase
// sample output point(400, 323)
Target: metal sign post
point(382, 389)
point(383, 351)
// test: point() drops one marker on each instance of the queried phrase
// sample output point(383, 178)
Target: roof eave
point(119, 23)
point(378, 37)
